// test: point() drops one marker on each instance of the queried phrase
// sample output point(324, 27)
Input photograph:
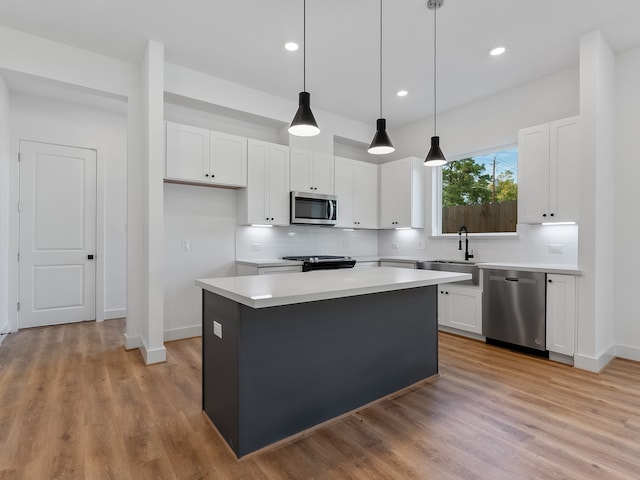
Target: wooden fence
point(493, 217)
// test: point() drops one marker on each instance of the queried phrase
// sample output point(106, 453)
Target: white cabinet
point(197, 155)
point(265, 200)
point(243, 270)
point(388, 263)
point(402, 194)
point(312, 172)
point(561, 313)
point(356, 186)
point(549, 172)
point(366, 264)
point(460, 307)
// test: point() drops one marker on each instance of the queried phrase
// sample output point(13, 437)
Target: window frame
point(436, 197)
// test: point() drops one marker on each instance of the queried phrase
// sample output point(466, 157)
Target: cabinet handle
point(206, 174)
point(272, 219)
point(544, 214)
point(212, 175)
point(552, 214)
point(446, 293)
point(441, 291)
point(550, 281)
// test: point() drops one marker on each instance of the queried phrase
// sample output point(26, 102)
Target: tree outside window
point(481, 192)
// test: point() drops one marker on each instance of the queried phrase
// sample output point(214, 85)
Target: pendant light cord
point(304, 46)
point(435, 66)
point(380, 58)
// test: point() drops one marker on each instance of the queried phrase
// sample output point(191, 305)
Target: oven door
point(313, 208)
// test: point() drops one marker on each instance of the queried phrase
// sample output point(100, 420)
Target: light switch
point(186, 246)
point(217, 329)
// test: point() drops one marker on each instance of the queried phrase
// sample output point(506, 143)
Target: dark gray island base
point(280, 370)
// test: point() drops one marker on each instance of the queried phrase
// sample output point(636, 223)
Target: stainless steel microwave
point(313, 208)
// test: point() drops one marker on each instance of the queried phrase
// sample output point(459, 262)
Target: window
point(481, 192)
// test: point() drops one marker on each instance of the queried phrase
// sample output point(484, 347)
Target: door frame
point(14, 224)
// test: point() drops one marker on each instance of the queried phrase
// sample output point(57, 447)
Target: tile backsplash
point(556, 244)
point(256, 243)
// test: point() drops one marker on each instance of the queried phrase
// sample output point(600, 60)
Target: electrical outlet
point(217, 329)
point(395, 246)
point(556, 248)
point(256, 247)
point(186, 246)
point(421, 244)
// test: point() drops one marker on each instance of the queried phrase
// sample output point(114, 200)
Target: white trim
point(594, 364)
point(628, 352)
point(4, 331)
point(131, 342)
point(114, 313)
point(182, 333)
point(462, 333)
point(155, 355)
point(561, 358)
point(100, 226)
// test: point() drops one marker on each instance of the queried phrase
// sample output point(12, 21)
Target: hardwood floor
point(75, 405)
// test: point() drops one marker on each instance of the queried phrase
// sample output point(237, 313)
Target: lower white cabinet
point(561, 313)
point(460, 307)
point(384, 263)
point(242, 270)
point(372, 264)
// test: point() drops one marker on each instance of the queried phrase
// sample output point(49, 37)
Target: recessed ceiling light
point(402, 93)
point(497, 51)
point(291, 46)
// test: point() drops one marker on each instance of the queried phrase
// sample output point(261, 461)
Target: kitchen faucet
point(467, 255)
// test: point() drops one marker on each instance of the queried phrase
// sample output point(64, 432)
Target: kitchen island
point(283, 353)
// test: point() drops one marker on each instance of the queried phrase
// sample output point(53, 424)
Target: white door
point(57, 234)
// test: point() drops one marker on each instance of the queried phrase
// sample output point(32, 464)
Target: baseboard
point(628, 352)
point(594, 364)
point(462, 333)
point(4, 331)
point(115, 313)
point(182, 333)
point(154, 355)
point(131, 342)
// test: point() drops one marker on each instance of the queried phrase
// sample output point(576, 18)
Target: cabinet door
point(257, 192)
point(365, 195)
point(323, 173)
point(345, 176)
point(301, 171)
point(187, 152)
point(564, 170)
point(278, 184)
point(404, 193)
point(460, 307)
point(388, 181)
point(561, 313)
point(228, 165)
point(533, 174)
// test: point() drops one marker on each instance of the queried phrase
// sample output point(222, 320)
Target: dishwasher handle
point(512, 279)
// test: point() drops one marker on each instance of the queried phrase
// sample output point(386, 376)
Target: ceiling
point(242, 41)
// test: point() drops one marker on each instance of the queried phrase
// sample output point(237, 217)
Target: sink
point(453, 266)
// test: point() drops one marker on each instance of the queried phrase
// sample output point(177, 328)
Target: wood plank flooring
point(75, 405)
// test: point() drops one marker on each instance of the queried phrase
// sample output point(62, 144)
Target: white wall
point(46, 120)
point(260, 243)
point(488, 123)
point(205, 217)
point(5, 157)
point(626, 261)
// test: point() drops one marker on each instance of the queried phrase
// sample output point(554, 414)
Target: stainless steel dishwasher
point(513, 307)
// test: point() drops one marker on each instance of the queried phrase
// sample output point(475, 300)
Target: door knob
point(90, 257)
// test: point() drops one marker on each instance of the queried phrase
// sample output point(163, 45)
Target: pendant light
point(435, 157)
point(381, 143)
point(304, 124)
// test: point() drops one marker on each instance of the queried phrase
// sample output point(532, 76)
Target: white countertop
point(259, 291)
point(534, 267)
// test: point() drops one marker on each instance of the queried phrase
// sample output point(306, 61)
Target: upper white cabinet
point(549, 172)
point(561, 313)
point(204, 156)
point(357, 191)
point(402, 194)
point(312, 172)
point(266, 198)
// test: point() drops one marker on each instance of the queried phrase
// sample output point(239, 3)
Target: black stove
point(322, 262)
